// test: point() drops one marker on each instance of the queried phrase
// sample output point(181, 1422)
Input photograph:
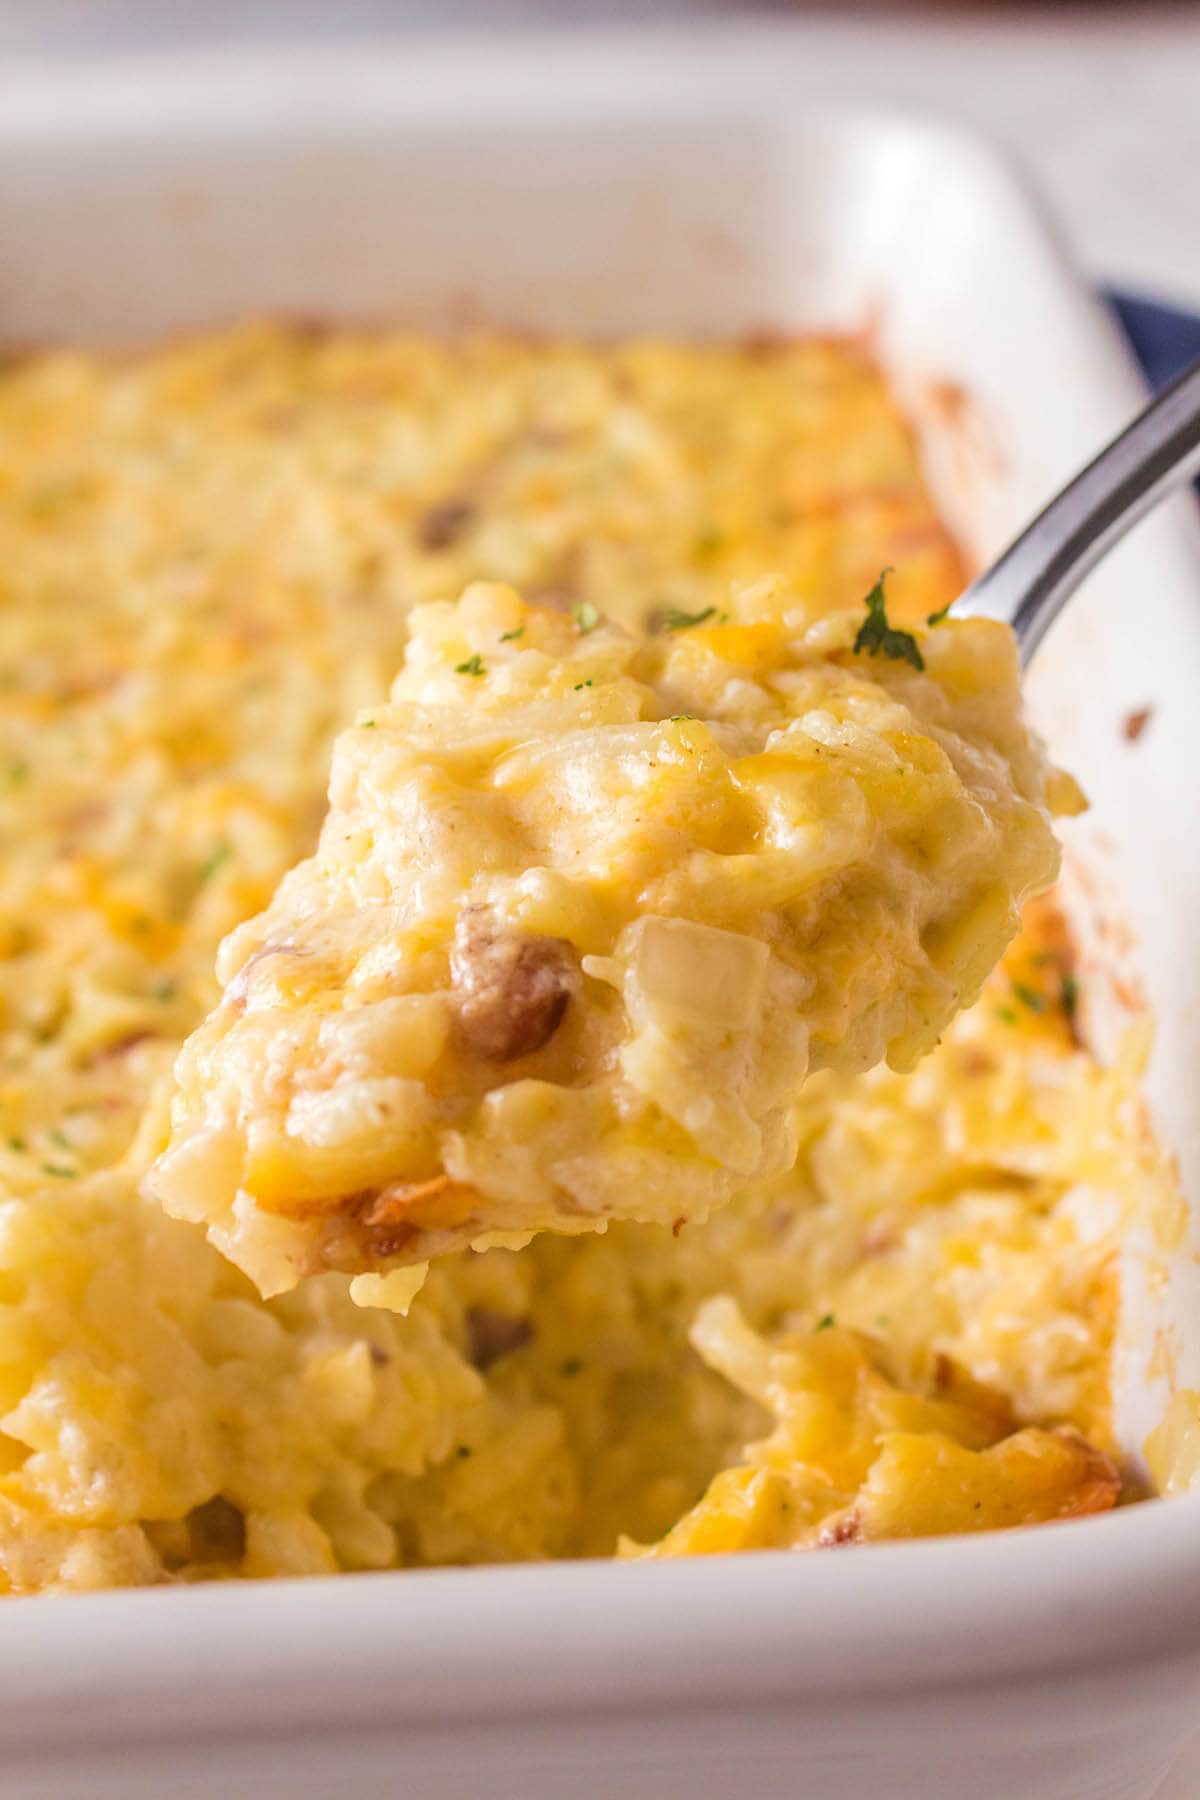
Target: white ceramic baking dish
point(610, 186)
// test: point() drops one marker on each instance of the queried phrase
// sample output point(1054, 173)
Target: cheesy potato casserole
point(585, 911)
point(213, 556)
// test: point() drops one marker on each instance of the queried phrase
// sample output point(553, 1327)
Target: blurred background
point(1103, 100)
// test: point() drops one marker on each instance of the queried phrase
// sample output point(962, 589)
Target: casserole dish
point(598, 188)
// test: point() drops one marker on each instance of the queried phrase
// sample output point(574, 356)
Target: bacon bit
point(1135, 723)
point(443, 525)
point(491, 1335)
point(388, 1240)
point(218, 1531)
point(422, 1205)
point(513, 988)
point(842, 1528)
point(677, 1227)
point(350, 1247)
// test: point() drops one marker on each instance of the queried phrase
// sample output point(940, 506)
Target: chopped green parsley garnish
point(678, 718)
point(60, 1138)
point(58, 1169)
point(462, 1451)
point(571, 1366)
point(824, 1323)
point(216, 857)
point(937, 617)
point(510, 637)
point(18, 1144)
point(586, 616)
point(164, 992)
point(583, 684)
point(1006, 1014)
point(368, 724)
point(709, 542)
point(16, 771)
point(683, 621)
point(472, 666)
point(1068, 995)
point(1029, 997)
point(878, 638)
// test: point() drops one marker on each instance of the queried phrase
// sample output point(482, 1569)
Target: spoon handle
point(1032, 580)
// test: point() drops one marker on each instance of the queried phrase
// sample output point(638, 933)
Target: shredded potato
point(209, 554)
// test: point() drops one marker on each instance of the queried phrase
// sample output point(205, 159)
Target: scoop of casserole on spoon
point(586, 911)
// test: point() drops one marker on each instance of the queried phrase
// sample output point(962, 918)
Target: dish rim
point(1012, 1610)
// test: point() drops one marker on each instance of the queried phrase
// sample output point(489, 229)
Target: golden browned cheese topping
point(208, 558)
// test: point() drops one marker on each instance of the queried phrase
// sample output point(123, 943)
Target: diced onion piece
point(697, 973)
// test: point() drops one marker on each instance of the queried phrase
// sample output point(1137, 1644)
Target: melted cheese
point(208, 557)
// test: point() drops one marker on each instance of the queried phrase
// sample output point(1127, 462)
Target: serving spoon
point(1030, 582)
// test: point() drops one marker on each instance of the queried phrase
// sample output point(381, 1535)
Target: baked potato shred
point(209, 556)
